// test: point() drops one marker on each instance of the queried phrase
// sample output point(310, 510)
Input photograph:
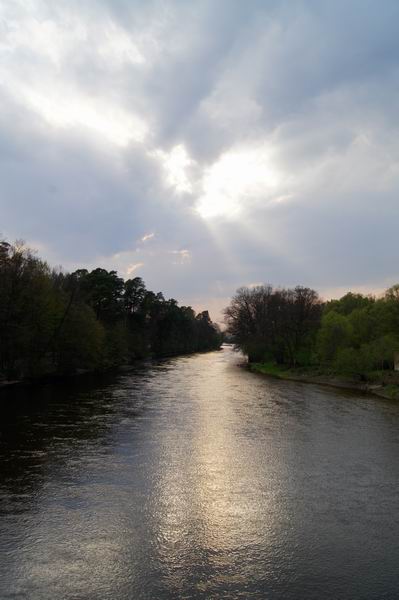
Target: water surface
point(193, 478)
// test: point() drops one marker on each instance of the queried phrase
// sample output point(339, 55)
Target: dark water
point(192, 478)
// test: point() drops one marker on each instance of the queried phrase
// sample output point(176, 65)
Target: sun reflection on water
point(210, 505)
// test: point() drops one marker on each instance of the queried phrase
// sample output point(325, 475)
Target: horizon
point(219, 311)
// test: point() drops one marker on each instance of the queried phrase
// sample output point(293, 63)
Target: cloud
point(182, 256)
point(176, 163)
point(147, 237)
point(239, 177)
point(133, 268)
point(259, 141)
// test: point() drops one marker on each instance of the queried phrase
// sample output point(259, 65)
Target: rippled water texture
point(192, 478)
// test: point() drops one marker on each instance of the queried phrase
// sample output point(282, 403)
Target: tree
point(28, 311)
point(364, 325)
point(103, 291)
point(134, 294)
point(348, 303)
point(335, 334)
point(52, 321)
point(81, 343)
point(277, 324)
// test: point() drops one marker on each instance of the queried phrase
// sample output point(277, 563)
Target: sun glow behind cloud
point(175, 164)
point(238, 178)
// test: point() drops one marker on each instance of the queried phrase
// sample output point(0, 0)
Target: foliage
point(270, 368)
point(274, 324)
point(52, 322)
point(392, 391)
point(80, 342)
point(348, 303)
point(353, 336)
point(335, 333)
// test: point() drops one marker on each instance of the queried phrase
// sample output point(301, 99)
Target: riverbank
point(380, 388)
point(57, 377)
point(78, 373)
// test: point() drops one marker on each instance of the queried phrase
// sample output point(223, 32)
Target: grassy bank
point(383, 384)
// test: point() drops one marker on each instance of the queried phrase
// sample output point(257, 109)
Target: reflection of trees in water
point(41, 425)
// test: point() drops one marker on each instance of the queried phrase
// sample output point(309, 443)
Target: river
point(193, 478)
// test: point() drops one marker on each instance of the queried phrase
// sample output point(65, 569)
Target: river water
point(193, 478)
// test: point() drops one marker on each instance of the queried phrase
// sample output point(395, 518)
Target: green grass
point(283, 372)
point(270, 368)
point(392, 391)
point(374, 376)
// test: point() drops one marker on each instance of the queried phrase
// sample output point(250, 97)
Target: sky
point(204, 144)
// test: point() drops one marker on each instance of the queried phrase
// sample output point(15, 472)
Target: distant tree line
point(54, 322)
point(355, 335)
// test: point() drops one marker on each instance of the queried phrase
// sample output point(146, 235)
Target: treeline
point(355, 335)
point(53, 322)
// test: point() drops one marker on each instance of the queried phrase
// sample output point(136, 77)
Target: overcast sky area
point(204, 145)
